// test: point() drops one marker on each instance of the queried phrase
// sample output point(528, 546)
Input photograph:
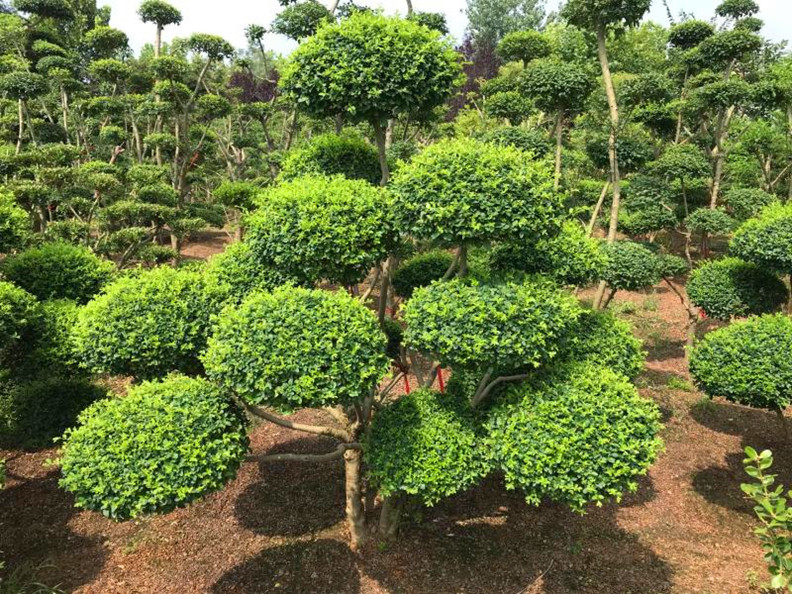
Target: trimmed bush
point(20, 320)
point(467, 191)
point(420, 271)
point(54, 345)
point(532, 141)
point(766, 239)
point(509, 326)
point(147, 325)
point(236, 272)
point(59, 271)
point(162, 446)
point(711, 221)
point(330, 154)
point(316, 228)
point(33, 414)
point(731, 288)
point(297, 348)
point(600, 338)
point(747, 362)
point(745, 203)
point(14, 224)
point(576, 436)
point(424, 444)
point(630, 266)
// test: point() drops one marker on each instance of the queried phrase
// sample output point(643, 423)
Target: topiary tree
point(300, 19)
point(748, 363)
point(731, 288)
point(161, 14)
point(147, 325)
point(766, 239)
point(363, 70)
point(59, 271)
point(630, 267)
point(746, 203)
point(331, 154)
point(466, 192)
point(236, 272)
point(322, 228)
point(162, 446)
point(509, 105)
point(709, 222)
point(524, 46)
point(421, 271)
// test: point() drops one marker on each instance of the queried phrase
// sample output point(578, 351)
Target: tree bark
point(382, 149)
point(158, 42)
point(355, 513)
point(21, 126)
point(463, 261)
point(390, 516)
point(597, 209)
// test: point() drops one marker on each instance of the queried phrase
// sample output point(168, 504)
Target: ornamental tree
point(766, 239)
point(331, 154)
point(630, 267)
point(161, 14)
point(748, 363)
point(524, 46)
point(363, 69)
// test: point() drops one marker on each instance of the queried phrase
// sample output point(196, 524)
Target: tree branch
point(478, 399)
point(336, 454)
point(257, 411)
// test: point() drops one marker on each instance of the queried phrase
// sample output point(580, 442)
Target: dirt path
point(280, 528)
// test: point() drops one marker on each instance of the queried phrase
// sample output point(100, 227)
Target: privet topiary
point(297, 348)
point(59, 271)
point(14, 224)
point(420, 271)
point(731, 287)
point(316, 228)
point(630, 266)
point(330, 154)
point(575, 436)
point(161, 447)
point(236, 272)
point(767, 239)
point(147, 325)
point(745, 203)
point(20, 319)
point(424, 444)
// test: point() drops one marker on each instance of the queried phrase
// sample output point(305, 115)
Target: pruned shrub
point(766, 239)
point(162, 446)
point(15, 228)
point(711, 221)
point(630, 266)
point(236, 272)
point(731, 287)
point(331, 154)
point(59, 271)
point(421, 271)
point(744, 203)
point(20, 320)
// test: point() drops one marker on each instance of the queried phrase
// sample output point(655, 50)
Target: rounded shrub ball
point(601, 338)
point(331, 154)
point(236, 272)
point(508, 326)
point(630, 266)
point(424, 444)
point(162, 446)
point(20, 318)
point(745, 203)
point(316, 228)
point(33, 414)
point(467, 191)
point(576, 436)
point(14, 224)
point(731, 287)
point(747, 362)
point(147, 325)
point(59, 271)
point(420, 271)
point(712, 221)
point(297, 348)
point(766, 239)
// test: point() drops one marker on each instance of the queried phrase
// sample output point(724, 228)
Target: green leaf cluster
point(347, 154)
point(766, 239)
point(630, 266)
point(420, 271)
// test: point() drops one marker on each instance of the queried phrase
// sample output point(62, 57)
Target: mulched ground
point(279, 527)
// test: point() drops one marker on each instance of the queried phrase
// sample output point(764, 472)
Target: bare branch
point(336, 454)
point(503, 379)
point(257, 411)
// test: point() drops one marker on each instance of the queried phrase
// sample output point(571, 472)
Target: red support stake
point(406, 384)
point(440, 379)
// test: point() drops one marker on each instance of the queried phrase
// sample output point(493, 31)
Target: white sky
point(228, 18)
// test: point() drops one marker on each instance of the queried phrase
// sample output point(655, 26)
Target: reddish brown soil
point(279, 527)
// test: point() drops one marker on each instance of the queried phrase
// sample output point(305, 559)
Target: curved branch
point(478, 399)
point(257, 411)
point(336, 454)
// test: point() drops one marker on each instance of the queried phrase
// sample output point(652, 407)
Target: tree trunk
point(597, 209)
point(390, 516)
point(158, 42)
point(382, 148)
point(21, 127)
point(385, 290)
point(356, 517)
point(409, 8)
point(559, 149)
point(463, 261)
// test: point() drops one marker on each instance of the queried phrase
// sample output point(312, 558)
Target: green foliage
point(316, 227)
point(330, 154)
point(682, 162)
point(237, 194)
point(737, 9)
point(59, 271)
point(670, 266)
point(711, 221)
point(533, 141)
point(161, 13)
point(589, 14)
point(633, 146)
point(731, 288)
point(557, 86)
point(577, 436)
point(296, 348)
point(432, 20)
point(20, 317)
point(467, 191)
point(236, 272)
point(600, 338)
point(420, 271)
point(524, 46)
point(364, 68)
point(747, 362)
point(22, 85)
point(570, 258)
point(647, 207)
point(689, 34)
point(508, 326)
point(630, 266)
point(147, 325)
point(424, 444)
point(725, 46)
point(510, 105)
point(301, 19)
point(54, 9)
point(745, 203)
point(490, 20)
point(162, 446)
point(213, 46)
point(14, 224)
point(32, 414)
point(54, 347)
point(775, 532)
point(766, 239)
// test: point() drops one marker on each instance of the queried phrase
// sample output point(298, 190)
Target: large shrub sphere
point(731, 288)
point(630, 266)
point(59, 271)
point(747, 362)
point(160, 447)
point(330, 154)
point(297, 348)
point(467, 191)
point(236, 272)
point(578, 436)
point(316, 228)
point(767, 239)
point(146, 325)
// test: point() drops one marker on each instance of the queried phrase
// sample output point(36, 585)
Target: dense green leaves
point(14, 224)
point(236, 272)
point(556, 86)
point(162, 446)
point(767, 239)
point(630, 266)
point(747, 362)
point(20, 317)
point(297, 348)
point(330, 154)
point(301, 19)
point(589, 14)
point(420, 271)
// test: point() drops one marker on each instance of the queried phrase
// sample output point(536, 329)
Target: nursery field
point(280, 527)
